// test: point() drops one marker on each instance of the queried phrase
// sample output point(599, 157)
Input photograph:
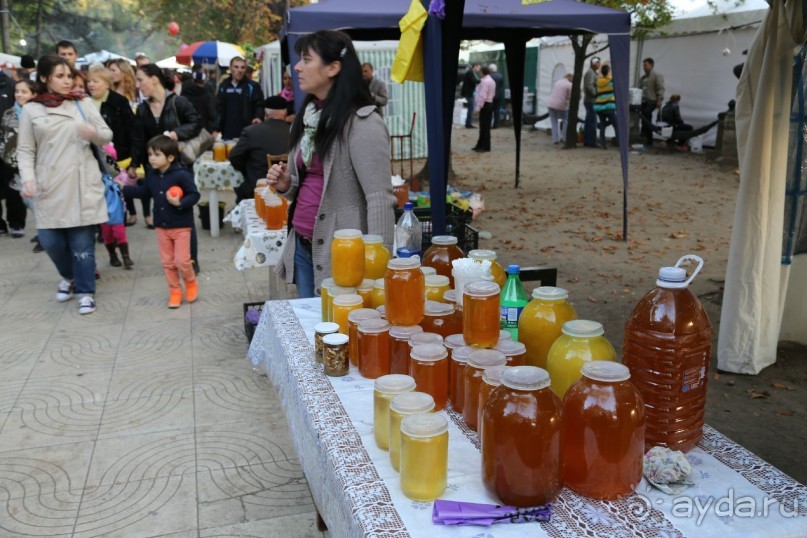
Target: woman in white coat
point(60, 173)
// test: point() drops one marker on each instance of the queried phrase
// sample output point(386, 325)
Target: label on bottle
point(407, 252)
point(509, 316)
point(693, 378)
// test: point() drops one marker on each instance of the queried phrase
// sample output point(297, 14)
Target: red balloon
point(175, 192)
point(173, 28)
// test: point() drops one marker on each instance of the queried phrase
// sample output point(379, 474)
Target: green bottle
point(513, 301)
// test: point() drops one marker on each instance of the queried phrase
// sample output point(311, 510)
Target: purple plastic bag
point(462, 513)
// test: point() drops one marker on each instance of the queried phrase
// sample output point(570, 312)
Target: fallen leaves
point(757, 395)
point(680, 234)
point(782, 386)
point(592, 299)
point(786, 413)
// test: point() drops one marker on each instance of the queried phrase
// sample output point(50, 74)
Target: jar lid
point(549, 293)
point(482, 254)
point(366, 284)
point(400, 264)
point(428, 271)
point(335, 339)
point(378, 283)
point(433, 308)
point(437, 280)
point(326, 327)
point(454, 341)
point(424, 425)
point(444, 240)
point(347, 233)
point(339, 290)
point(347, 300)
point(505, 336)
point(394, 383)
point(382, 311)
point(361, 314)
point(327, 283)
point(607, 371)
point(425, 338)
point(411, 403)
point(525, 378)
point(481, 288)
point(403, 332)
point(373, 326)
point(510, 348)
point(372, 239)
point(450, 296)
point(485, 358)
point(429, 352)
point(493, 375)
point(583, 328)
point(461, 354)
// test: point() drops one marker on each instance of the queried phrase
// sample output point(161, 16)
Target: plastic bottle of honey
point(541, 322)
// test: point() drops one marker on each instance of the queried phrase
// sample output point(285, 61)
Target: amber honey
point(273, 212)
point(516, 352)
point(428, 366)
point(496, 270)
point(478, 361)
point(405, 291)
point(347, 258)
point(481, 314)
point(374, 348)
point(400, 349)
point(343, 305)
point(436, 287)
point(365, 289)
point(452, 342)
point(491, 378)
point(439, 318)
point(441, 253)
point(353, 319)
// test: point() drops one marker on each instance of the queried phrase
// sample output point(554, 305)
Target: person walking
point(485, 92)
point(123, 80)
point(16, 210)
point(589, 97)
point(605, 105)
point(61, 174)
point(338, 170)
point(7, 99)
point(469, 81)
point(652, 85)
point(558, 106)
point(238, 102)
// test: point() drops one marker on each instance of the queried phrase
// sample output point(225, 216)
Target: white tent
point(101, 56)
point(9, 59)
point(171, 63)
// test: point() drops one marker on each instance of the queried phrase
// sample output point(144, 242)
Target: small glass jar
point(516, 352)
point(456, 372)
point(385, 388)
point(491, 378)
point(365, 290)
point(374, 348)
point(376, 257)
point(403, 405)
point(347, 258)
point(496, 270)
point(478, 361)
point(320, 331)
point(481, 315)
point(219, 152)
point(424, 456)
point(405, 291)
point(343, 305)
point(399, 347)
point(428, 271)
point(441, 253)
point(436, 286)
point(326, 298)
point(336, 363)
point(429, 368)
point(353, 319)
point(377, 296)
point(439, 318)
point(582, 341)
point(541, 322)
point(335, 291)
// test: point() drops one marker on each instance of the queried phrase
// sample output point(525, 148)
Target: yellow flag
point(408, 63)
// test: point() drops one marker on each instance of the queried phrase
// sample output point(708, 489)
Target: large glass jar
point(374, 348)
point(478, 361)
point(541, 322)
point(450, 297)
point(521, 439)
point(385, 389)
point(441, 253)
point(325, 298)
point(343, 305)
point(481, 314)
point(496, 270)
point(376, 257)
point(403, 405)
point(336, 291)
point(456, 373)
point(436, 287)
point(491, 378)
point(428, 366)
point(399, 347)
point(377, 297)
point(353, 320)
point(603, 432)
point(424, 456)
point(452, 342)
point(405, 291)
point(516, 352)
point(439, 318)
point(365, 289)
point(347, 258)
point(582, 341)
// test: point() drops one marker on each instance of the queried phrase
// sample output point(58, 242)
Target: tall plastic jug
point(668, 343)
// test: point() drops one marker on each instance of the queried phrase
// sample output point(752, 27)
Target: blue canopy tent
point(506, 21)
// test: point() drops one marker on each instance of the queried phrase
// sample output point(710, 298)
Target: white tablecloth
point(358, 493)
point(210, 174)
point(261, 247)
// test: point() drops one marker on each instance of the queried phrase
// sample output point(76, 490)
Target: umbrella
point(210, 53)
point(171, 63)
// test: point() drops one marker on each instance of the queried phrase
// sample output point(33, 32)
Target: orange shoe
point(191, 291)
point(176, 299)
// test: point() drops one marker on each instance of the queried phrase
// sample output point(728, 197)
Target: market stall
point(213, 176)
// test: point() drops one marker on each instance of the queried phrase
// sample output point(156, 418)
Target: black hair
point(64, 44)
point(170, 81)
point(485, 70)
point(152, 70)
point(604, 70)
point(347, 94)
point(165, 145)
point(45, 67)
point(650, 61)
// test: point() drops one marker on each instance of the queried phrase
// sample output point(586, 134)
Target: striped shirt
point(605, 95)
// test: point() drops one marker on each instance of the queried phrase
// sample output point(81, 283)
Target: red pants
point(114, 234)
point(175, 254)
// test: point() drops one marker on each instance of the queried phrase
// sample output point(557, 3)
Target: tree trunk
point(422, 177)
point(4, 21)
point(580, 45)
point(40, 13)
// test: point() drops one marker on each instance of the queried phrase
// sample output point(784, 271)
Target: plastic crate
point(458, 224)
point(249, 328)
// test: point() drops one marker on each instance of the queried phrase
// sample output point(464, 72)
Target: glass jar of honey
point(456, 375)
point(603, 432)
point(478, 361)
point(377, 296)
point(403, 405)
point(399, 347)
point(424, 456)
point(343, 305)
point(516, 352)
point(436, 286)
point(374, 348)
point(335, 361)
point(441, 253)
point(582, 341)
point(401, 193)
point(273, 211)
point(405, 291)
point(481, 314)
point(347, 258)
point(365, 289)
point(320, 331)
point(522, 426)
point(353, 319)
point(376, 257)
point(439, 318)
point(428, 366)
point(385, 388)
point(325, 297)
point(491, 378)
point(424, 338)
point(496, 270)
point(450, 297)
point(541, 322)
point(219, 152)
point(333, 292)
point(428, 271)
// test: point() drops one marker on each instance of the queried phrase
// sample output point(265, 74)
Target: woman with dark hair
point(338, 171)
point(61, 174)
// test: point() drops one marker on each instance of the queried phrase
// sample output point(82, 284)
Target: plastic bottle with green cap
point(513, 300)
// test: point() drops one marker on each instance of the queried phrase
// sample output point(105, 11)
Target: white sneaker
point(65, 291)
point(86, 305)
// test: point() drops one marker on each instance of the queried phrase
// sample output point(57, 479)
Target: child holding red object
point(114, 235)
point(173, 215)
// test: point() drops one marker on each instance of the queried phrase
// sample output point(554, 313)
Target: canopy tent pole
point(620, 62)
point(515, 50)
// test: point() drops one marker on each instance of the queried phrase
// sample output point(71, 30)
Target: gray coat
point(590, 86)
point(357, 192)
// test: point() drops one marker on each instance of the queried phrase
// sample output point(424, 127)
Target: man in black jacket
point(469, 82)
point(6, 173)
point(202, 98)
point(256, 142)
point(239, 101)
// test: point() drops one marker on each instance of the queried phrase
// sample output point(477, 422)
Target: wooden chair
point(401, 138)
point(276, 159)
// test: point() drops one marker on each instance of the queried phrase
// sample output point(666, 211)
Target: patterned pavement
point(139, 421)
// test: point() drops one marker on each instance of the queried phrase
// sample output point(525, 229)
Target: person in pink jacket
point(558, 105)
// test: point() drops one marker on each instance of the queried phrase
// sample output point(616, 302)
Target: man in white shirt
point(485, 92)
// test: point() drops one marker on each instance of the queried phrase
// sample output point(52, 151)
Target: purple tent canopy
point(506, 21)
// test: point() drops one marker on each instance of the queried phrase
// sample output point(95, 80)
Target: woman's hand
point(173, 136)
point(132, 172)
point(29, 189)
point(279, 177)
point(86, 131)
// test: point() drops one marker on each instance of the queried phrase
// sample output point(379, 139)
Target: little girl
point(173, 214)
point(114, 235)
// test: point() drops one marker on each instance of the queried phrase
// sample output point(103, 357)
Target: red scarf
point(52, 100)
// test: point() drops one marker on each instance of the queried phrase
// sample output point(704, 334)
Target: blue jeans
point(303, 270)
point(590, 129)
point(72, 251)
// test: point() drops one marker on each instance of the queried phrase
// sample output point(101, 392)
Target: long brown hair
point(127, 87)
